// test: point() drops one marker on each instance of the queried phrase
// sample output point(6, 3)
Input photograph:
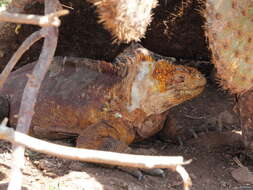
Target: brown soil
point(212, 153)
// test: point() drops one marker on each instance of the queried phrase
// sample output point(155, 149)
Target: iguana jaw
point(161, 85)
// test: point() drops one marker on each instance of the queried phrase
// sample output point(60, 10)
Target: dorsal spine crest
point(140, 57)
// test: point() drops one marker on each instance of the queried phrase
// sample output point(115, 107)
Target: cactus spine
point(229, 28)
point(126, 20)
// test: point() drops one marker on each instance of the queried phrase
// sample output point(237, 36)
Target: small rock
point(193, 176)
point(47, 165)
point(77, 166)
point(242, 175)
point(1, 54)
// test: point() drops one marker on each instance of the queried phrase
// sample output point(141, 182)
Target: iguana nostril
point(180, 79)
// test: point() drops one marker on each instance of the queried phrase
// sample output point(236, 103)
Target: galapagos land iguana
point(107, 105)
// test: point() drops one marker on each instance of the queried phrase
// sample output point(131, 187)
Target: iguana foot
point(139, 173)
point(114, 145)
point(133, 172)
point(174, 132)
point(215, 139)
point(154, 172)
point(104, 137)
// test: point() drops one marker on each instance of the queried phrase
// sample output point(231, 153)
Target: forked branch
point(17, 55)
point(139, 161)
point(46, 20)
point(31, 91)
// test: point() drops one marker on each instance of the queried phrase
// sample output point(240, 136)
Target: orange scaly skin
point(107, 105)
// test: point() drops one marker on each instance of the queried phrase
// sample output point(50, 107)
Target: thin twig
point(15, 6)
point(47, 20)
point(34, 81)
point(17, 55)
point(139, 161)
point(30, 94)
point(185, 176)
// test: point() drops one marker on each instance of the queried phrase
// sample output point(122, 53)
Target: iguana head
point(160, 85)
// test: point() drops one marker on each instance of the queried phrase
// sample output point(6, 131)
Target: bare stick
point(185, 176)
point(47, 20)
point(139, 161)
point(30, 94)
point(34, 81)
point(17, 55)
point(15, 6)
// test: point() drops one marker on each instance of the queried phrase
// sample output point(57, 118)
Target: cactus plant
point(126, 20)
point(230, 32)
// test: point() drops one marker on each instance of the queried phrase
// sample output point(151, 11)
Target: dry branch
point(15, 6)
point(139, 161)
point(28, 102)
point(31, 91)
point(47, 20)
point(35, 79)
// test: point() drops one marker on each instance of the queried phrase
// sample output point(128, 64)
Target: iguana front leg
point(103, 136)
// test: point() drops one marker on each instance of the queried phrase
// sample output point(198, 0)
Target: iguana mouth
point(199, 87)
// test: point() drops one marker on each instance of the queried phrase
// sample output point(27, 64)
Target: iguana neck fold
point(156, 86)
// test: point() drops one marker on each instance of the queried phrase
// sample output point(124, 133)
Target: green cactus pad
point(229, 28)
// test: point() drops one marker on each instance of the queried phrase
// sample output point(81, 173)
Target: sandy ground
point(212, 155)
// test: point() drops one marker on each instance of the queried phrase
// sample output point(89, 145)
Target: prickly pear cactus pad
point(229, 28)
point(126, 20)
